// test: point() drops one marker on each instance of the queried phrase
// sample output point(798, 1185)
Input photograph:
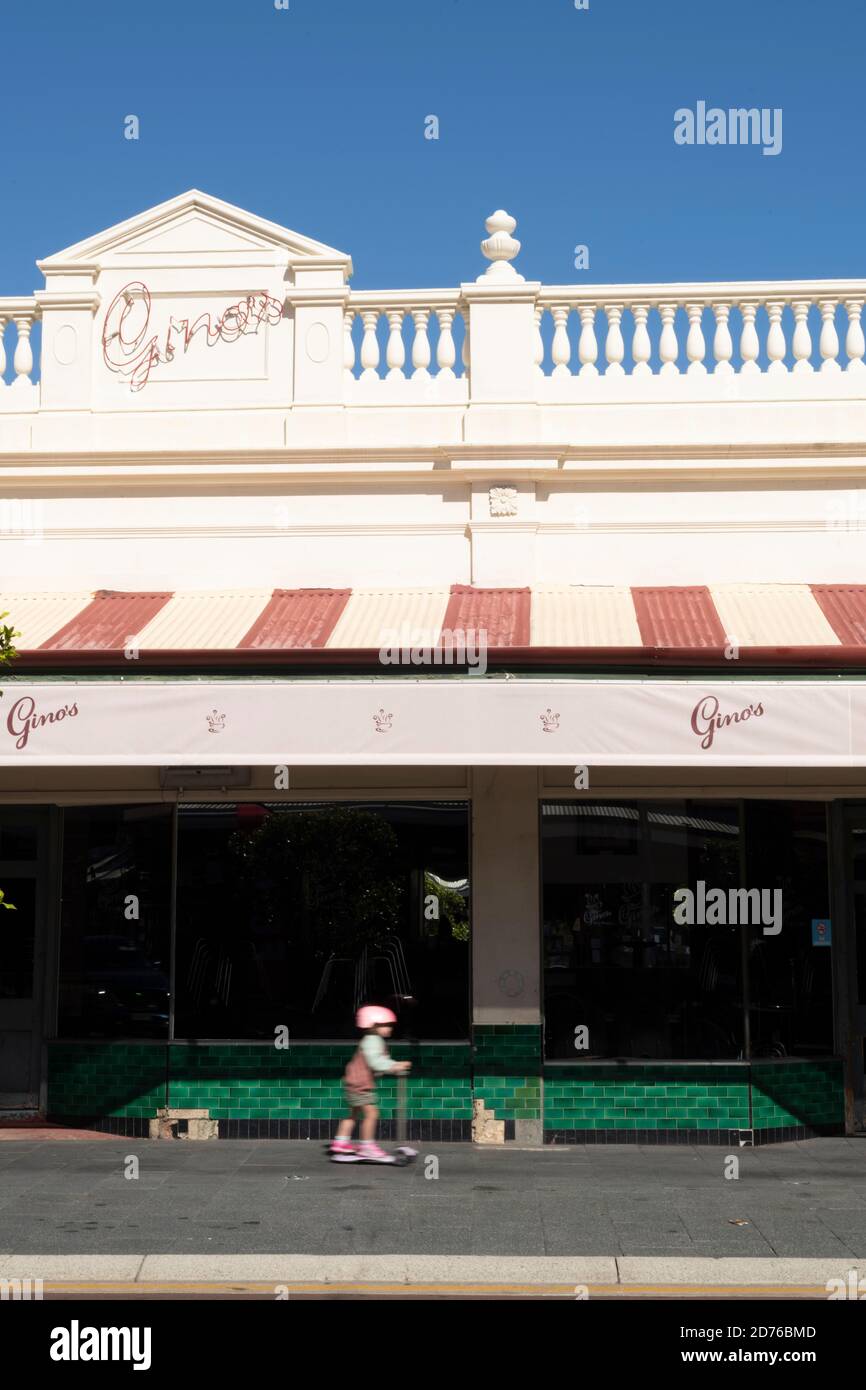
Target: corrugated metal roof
point(108, 622)
point(37, 616)
point(772, 615)
point(372, 614)
point(296, 618)
point(678, 617)
point(844, 607)
point(204, 621)
point(822, 619)
point(583, 615)
point(503, 614)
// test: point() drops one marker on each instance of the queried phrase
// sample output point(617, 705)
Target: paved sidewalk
point(235, 1197)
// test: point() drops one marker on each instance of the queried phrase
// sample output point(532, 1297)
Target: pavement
point(605, 1216)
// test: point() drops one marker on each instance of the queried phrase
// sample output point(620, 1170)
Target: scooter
point(403, 1154)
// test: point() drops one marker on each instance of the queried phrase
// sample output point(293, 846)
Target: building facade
point(495, 651)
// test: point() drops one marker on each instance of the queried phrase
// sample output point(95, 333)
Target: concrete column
point(318, 296)
point(506, 976)
point(505, 896)
point(67, 307)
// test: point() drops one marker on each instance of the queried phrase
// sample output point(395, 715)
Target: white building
point(243, 509)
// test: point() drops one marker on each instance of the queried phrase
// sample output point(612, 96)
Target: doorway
point(24, 882)
point(851, 982)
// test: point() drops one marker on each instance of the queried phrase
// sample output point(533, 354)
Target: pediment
point(195, 228)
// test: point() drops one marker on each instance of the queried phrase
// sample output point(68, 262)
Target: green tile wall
point(676, 1096)
point(802, 1093)
point(658, 1096)
point(98, 1079)
point(245, 1081)
point(502, 1068)
point(507, 1069)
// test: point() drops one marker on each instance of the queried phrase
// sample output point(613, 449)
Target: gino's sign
point(707, 718)
point(23, 718)
point(132, 349)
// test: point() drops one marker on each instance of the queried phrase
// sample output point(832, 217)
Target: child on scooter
point(371, 1059)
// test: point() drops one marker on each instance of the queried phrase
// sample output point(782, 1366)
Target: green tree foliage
point(453, 909)
point(323, 878)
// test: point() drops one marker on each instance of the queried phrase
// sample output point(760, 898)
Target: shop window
point(790, 971)
point(626, 976)
point(17, 941)
point(115, 922)
point(623, 977)
point(292, 916)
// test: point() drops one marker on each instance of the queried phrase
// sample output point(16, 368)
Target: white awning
point(456, 721)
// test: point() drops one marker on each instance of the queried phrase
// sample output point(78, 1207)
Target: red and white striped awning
point(786, 624)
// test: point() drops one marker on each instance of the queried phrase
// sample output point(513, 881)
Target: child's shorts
point(356, 1098)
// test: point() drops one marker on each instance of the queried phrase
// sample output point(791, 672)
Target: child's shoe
point(370, 1152)
point(341, 1146)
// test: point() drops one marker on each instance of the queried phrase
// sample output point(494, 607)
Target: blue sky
point(314, 117)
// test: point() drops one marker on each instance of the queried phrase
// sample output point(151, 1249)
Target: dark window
point(617, 963)
point(292, 916)
point(790, 978)
point(623, 961)
point(115, 923)
point(17, 930)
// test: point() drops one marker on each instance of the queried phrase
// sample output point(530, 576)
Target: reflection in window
point(295, 915)
point(619, 962)
point(115, 923)
point(616, 962)
point(790, 977)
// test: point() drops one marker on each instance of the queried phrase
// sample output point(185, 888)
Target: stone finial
point(500, 247)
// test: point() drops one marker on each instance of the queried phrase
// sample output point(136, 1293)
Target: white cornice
point(302, 531)
point(263, 470)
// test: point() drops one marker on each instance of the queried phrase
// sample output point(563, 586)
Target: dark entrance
point(24, 881)
point(851, 978)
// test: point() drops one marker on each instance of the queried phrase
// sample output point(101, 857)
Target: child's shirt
point(371, 1060)
point(376, 1054)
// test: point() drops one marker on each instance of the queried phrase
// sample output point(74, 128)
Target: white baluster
point(776, 345)
point(749, 345)
point(446, 353)
point(587, 348)
point(395, 353)
point(802, 336)
point(641, 348)
point(538, 342)
point(348, 345)
point(854, 342)
point(3, 323)
point(614, 347)
point(23, 359)
point(696, 348)
point(421, 343)
point(829, 341)
point(370, 344)
point(561, 348)
point(464, 347)
point(668, 345)
point(723, 347)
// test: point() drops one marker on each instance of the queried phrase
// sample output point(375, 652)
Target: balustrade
point(703, 330)
point(777, 328)
point(18, 316)
point(411, 338)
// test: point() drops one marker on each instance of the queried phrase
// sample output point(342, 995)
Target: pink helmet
point(371, 1014)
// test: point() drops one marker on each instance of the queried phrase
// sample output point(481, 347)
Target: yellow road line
point(341, 1286)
